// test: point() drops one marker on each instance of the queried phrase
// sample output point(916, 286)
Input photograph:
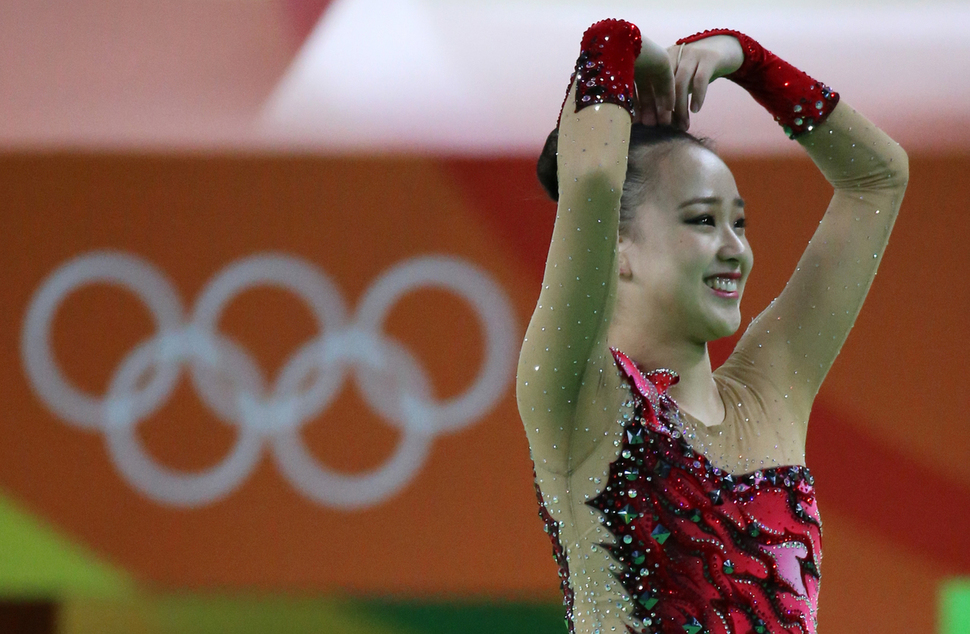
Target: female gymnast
point(677, 497)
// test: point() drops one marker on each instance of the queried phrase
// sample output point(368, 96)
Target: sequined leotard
point(660, 523)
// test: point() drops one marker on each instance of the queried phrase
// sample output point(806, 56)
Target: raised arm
point(796, 339)
point(564, 355)
point(805, 327)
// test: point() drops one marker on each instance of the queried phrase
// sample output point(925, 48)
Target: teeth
point(722, 284)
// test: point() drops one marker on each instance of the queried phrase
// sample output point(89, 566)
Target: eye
point(703, 219)
point(739, 223)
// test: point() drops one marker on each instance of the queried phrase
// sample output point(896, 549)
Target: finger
point(643, 92)
point(662, 111)
point(637, 108)
point(648, 107)
point(673, 54)
point(685, 72)
point(662, 83)
point(699, 84)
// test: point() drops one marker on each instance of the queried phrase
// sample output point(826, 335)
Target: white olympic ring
point(230, 383)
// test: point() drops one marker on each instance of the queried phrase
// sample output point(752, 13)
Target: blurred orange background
point(190, 137)
point(887, 440)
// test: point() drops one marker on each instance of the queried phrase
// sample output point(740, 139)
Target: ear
point(623, 259)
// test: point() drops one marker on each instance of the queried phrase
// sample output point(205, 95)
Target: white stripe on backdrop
point(466, 77)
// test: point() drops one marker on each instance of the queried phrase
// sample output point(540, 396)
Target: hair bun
point(641, 137)
point(547, 167)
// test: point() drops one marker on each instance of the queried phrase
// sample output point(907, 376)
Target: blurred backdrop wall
point(266, 266)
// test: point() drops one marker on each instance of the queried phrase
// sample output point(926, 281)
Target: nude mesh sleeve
point(565, 342)
point(795, 341)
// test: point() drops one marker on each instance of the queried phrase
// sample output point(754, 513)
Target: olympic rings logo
point(230, 383)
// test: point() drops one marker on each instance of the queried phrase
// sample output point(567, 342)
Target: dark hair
point(649, 145)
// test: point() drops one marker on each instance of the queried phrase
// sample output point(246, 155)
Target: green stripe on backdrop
point(36, 561)
point(955, 607)
point(201, 614)
point(95, 597)
point(470, 618)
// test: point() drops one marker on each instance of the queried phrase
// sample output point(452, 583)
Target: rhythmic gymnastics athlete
point(677, 497)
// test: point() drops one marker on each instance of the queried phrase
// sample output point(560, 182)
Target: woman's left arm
point(796, 339)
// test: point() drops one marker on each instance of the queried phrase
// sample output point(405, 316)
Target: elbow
point(898, 167)
point(890, 174)
point(597, 183)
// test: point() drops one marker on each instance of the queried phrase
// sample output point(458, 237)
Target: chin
point(724, 327)
point(720, 334)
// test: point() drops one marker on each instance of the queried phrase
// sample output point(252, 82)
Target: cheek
point(673, 260)
point(692, 252)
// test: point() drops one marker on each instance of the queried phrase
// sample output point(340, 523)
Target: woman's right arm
point(565, 363)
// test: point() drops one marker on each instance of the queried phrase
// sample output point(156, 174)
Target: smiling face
point(685, 259)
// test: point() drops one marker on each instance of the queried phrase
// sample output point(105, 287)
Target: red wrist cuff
point(798, 102)
point(604, 70)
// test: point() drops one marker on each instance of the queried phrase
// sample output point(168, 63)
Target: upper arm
point(565, 354)
point(801, 332)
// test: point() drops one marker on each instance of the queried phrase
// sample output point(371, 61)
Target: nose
point(732, 245)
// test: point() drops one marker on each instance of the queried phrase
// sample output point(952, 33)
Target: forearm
point(580, 275)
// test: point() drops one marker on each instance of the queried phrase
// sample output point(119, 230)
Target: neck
point(652, 347)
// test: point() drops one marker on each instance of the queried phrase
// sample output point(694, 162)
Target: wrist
point(797, 101)
point(605, 69)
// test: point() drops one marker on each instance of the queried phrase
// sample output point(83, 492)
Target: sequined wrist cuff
point(604, 70)
point(798, 102)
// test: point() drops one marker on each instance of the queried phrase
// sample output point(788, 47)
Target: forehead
point(691, 171)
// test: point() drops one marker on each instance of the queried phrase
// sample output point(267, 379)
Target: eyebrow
point(709, 200)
